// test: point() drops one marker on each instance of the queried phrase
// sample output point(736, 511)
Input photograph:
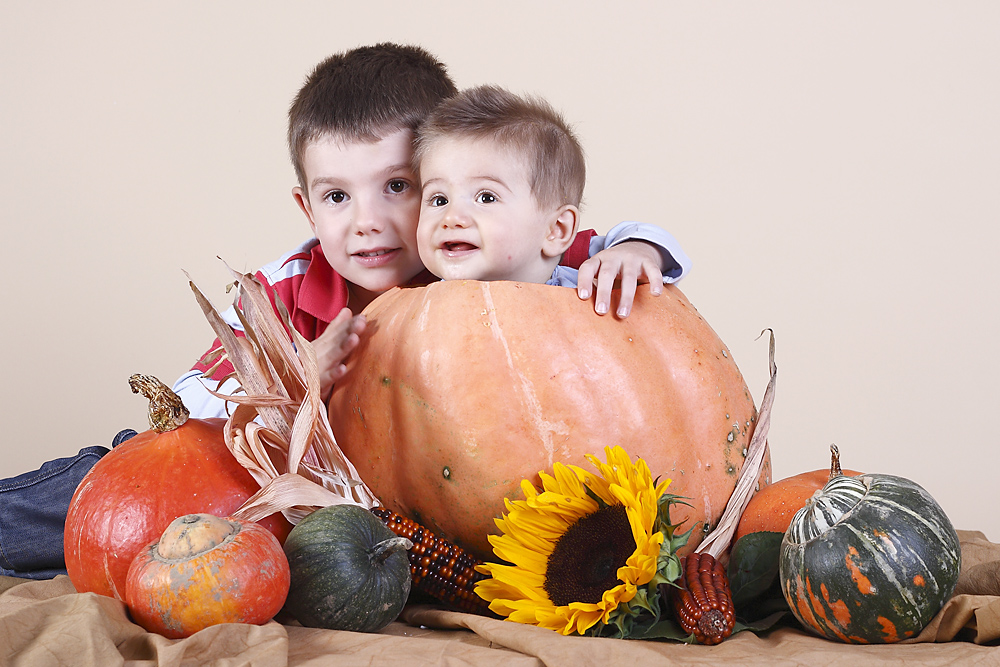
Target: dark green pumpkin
point(348, 571)
point(869, 559)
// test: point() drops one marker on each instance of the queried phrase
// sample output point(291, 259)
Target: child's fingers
point(358, 324)
point(343, 317)
point(349, 343)
point(606, 277)
point(654, 276)
point(629, 281)
point(343, 325)
point(337, 373)
point(585, 277)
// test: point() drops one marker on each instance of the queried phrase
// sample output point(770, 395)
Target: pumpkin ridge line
point(934, 533)
point(935, 528)
point(544, 427)
point(864, 540)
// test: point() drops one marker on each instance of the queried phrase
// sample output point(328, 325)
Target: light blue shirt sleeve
point(676, 263)
point(563, 276)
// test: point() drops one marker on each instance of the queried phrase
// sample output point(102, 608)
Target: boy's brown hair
point(527, 125)
point(364, 94)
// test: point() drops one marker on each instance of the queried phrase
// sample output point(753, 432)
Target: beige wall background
point(831, 168)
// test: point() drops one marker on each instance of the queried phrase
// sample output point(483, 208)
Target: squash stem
point(166, 410)
point(386, 548)
point(835, 462)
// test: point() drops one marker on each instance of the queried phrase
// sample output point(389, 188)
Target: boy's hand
point(334, 345)
point(628, 261)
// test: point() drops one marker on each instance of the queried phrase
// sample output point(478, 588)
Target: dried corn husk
point(717, 542)
point(290, 450)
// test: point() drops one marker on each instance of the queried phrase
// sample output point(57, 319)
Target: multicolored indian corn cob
point(703, 604)
point(438, 567)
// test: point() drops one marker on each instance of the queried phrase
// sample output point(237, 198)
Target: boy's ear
point(302, 199)
point(562, 230)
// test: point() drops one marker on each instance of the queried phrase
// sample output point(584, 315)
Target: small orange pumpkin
point(461, 389)
point(771, 509)
point(203, 571)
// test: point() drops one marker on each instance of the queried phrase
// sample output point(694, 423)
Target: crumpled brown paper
point(48, 623)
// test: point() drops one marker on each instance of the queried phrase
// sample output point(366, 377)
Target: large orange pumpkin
point(130, 496)
point(461, 389)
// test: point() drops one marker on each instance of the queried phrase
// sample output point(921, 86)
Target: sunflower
point(586, 553)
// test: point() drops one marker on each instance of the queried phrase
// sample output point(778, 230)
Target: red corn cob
point(703, 604)
point(438, 567)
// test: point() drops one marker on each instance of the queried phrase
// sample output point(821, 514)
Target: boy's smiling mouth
point(376, 257)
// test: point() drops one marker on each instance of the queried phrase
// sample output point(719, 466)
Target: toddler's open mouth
point(458, 247)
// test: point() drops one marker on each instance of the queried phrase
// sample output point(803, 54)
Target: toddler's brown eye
point(397, 186)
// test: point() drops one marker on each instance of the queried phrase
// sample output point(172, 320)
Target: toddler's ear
point(561, 231)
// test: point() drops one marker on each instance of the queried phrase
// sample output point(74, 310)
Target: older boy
point(350, 133)
point(502, 179)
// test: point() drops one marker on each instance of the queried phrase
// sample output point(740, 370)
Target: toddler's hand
point(334, 345)
point(628, 262)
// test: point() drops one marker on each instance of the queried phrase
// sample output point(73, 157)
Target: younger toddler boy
point(502, 178)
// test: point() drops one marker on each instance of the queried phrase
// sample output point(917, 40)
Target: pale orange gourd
point(205, 570)
point(461, 389)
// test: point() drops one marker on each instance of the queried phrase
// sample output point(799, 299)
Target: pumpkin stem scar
point(386, 548)
point(166, 410)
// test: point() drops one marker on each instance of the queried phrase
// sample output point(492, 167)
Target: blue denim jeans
point(33, 510)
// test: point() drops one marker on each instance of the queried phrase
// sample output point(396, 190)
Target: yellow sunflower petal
point(511, 584)
point(523, 557)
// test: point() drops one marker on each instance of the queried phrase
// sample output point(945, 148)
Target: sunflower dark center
point(586, 558)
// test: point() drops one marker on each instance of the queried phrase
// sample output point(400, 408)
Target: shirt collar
point(324, 292)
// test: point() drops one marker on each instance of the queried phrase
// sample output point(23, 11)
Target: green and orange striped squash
point(869, 559)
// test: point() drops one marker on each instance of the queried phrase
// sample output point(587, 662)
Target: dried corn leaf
point(717, 542)
point(297, 496)
point(279, 430)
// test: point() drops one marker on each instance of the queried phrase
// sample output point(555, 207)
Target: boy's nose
point(368, 217)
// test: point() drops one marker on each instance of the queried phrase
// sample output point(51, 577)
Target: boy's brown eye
point(337, 197)
point(397, 186)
